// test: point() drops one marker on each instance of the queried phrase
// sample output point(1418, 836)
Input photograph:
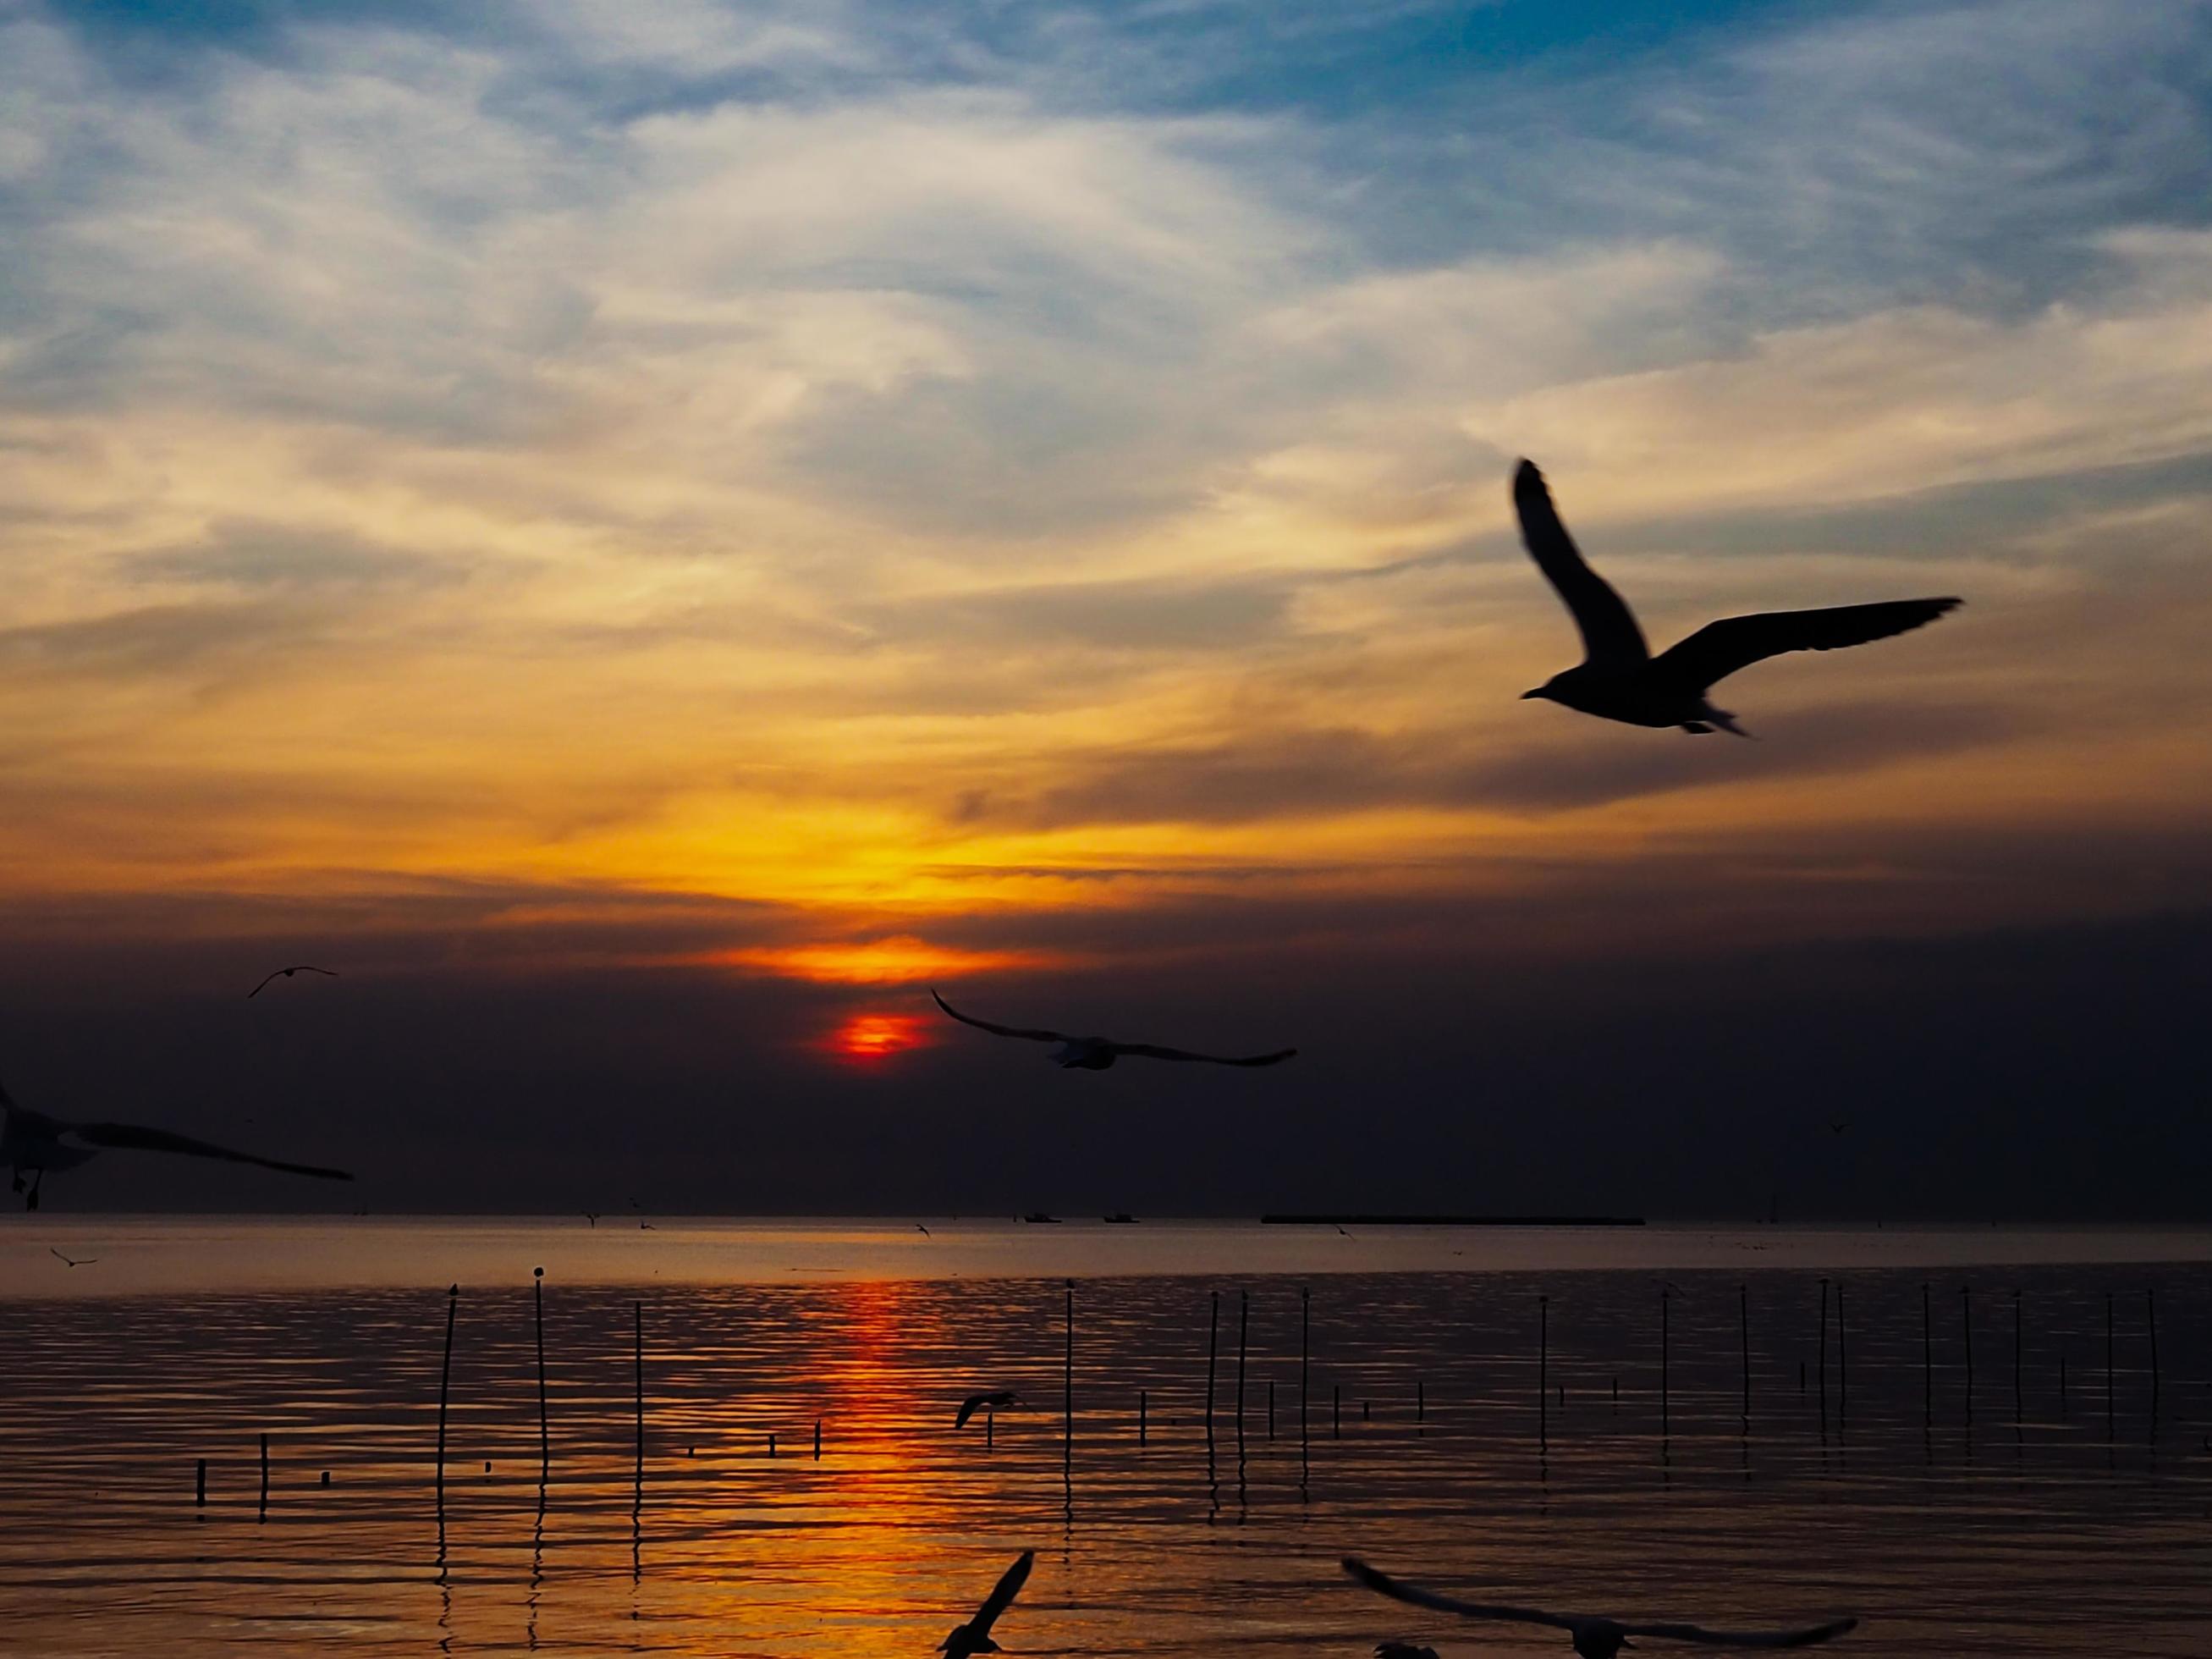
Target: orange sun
point(865, 1039)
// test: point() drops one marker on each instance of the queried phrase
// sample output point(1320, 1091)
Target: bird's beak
point(1538, 692)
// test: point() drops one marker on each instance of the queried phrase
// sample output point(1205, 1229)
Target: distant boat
point(1039, 1215)
point(1120, 1216)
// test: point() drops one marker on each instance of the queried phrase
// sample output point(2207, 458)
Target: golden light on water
point(903, 959)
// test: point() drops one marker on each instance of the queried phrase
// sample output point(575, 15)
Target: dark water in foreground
point(2083, 1530)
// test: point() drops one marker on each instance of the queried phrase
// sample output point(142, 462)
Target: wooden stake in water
point(445, 1378)
point(1967, 1341)
point(200, 1486)
point(2151, 1317)
point(1927, 1360)
point(1243, 1334)
point(2017, 1392)
point(264, 1475)
point(1068, 1396)
point(1271, 1408)
point(545, 1428)
point(1743, 1338)
point(1666, 1369)
point(1824, 1359)
point(1543, 1371)
point(1305, 1351)
point(1212, 1349)
point(1420, 1401)
point(818, 1440)
point(2108, 1366)
point(1843, 1364)
point(637, 1355)
point(1143, 1426)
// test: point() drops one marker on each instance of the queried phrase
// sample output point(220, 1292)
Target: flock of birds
point(1593, 1635)
point(1618, 679)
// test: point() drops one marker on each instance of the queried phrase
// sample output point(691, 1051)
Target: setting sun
point(867, 1038)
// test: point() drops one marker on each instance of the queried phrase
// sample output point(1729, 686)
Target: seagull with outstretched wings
point(975, 1636)
point(74, 1261)
point(38, 1145)
point(287, 973)
point(1619, 680)
point(995, 1399)
point(1093, 1054)
point(1595, 1637)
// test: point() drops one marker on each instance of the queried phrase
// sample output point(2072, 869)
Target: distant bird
point(1092, 1054)
point(287, 973)
point(998, 1400)
point(74, 1261)
point(1619, 680)
point(1837, 1129)
point(975, 1636)
point(923, 1231)
point(1595, 1637)
point(592, 1216)
point(43, 1145)
point(1339, 1225)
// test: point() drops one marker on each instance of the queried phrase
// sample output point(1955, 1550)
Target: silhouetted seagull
point(1091, 1053)
point(1619, 680)
point(41, 1144)
point(975, 1636)
point(1595, 1637)
point(74, 1261)
point(999, 1400)
point(923, 1231)
point(287, 973)
point(1838, 1127)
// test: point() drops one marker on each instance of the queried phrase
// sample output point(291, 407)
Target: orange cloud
point(903, 959)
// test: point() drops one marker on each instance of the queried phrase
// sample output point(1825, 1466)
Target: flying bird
point(975, 1636)
point(1092, 1054)
point(1838, 1127)
point(999, 1400)
point(1619, 680)
point(74, 1261)
point(923, 1231)
point(1595, 1637)
point(41, 1144)
point(287, 973)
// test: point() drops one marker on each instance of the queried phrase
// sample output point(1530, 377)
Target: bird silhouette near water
point(1595, 1637)
point(287, 973)
point(996, 1399)
point(73, 1261)
point(1095, 1054)
point(1619, 680)
point(41, 1146)
point(975, 1636)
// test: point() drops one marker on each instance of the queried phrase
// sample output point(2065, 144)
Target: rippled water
point(2085, 1529)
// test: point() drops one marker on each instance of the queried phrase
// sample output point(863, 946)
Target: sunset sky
point(648, 535)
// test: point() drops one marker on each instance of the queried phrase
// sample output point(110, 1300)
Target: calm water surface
point(1956, 1520)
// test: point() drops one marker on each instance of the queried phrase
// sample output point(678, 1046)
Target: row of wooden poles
point(1336, 1392)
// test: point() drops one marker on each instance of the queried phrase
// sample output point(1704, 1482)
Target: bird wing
point(1383, 1585)
point(275, 974)
point(1002, 1596)
point(1610, 632)
point(1746, 1638)
point(136, 1137)
point(968, 1408)
point(1000, 1030)
point(310, 967)
point(1719, 649)
point(1154, 1051)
